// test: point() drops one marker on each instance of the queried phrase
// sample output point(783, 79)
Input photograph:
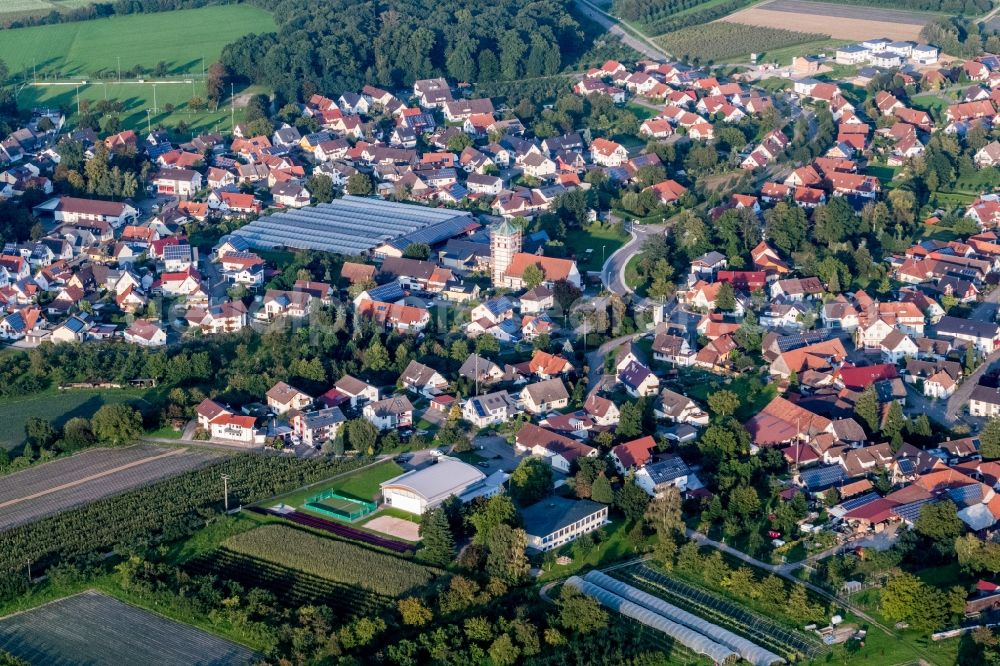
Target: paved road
point(642, 45)
point(986, 310)
point(613, 273)
point(595, 359)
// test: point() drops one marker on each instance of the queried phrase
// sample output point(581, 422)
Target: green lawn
point(166, 432)
point(56, 406)
point(137, 98)
point(783, 56)
point(601, 239)
point(78, 52)
point(632, 278)
point(641, 111)
point(82, 49)
point(362, 484)
point(613, 548)
point(882, 172)
point(395, 513)
point(930, 103)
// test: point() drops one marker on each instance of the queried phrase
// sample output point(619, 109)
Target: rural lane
point(611, 24)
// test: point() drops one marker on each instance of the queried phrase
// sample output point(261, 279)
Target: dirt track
point(839, 21)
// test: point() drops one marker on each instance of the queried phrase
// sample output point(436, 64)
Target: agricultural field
point(337, 561)
point(12, 10)
point(722, 41)
point(57, 407)
point(92, 628)
point(86, 477)
point(852, 22)
point(755, 627)
point(81, 49)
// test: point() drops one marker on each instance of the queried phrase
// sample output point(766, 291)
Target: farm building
point(418, 490)
point(356, 226)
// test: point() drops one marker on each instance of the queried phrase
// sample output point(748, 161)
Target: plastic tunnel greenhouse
point(698, 643)
point(746, 649)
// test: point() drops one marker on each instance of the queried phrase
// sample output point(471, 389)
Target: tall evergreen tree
point(866, 409)
point(438, 545)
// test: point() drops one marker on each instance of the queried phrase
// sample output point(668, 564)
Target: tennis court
point(332, 503)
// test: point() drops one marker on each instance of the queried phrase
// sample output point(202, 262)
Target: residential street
point(613, 273)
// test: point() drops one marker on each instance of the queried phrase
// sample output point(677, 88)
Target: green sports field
point(137, 98)
point(81, 49)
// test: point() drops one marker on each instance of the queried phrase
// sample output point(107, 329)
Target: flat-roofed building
point(555, 521)
point(356, 226)
point(419, 490)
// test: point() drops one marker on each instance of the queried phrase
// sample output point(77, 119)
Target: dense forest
point(343, 44)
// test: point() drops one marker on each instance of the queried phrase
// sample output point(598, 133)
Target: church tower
point(505, 242)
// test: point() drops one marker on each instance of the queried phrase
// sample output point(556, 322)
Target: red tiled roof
point(635, 453)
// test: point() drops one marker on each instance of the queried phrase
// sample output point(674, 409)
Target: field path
point(92, 477)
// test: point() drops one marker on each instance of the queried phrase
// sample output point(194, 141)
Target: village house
point(389, 413)
point(545, 396)
point(282, 398)
point(559, 451)
point(489, 409)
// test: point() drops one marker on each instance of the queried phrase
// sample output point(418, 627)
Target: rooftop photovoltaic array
point(351, 225)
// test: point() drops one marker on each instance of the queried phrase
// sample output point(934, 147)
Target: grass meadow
point(51, 65)
point(82, 49)
point(58, 407)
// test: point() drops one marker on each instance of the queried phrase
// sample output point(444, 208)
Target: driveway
point(498, 453)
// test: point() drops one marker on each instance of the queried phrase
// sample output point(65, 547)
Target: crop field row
point(292, 588)
point(15, 9)
point(92, 628)
point(721, 41)
point(77, 489)
point(333, 560)
point(839, 21)
point(67, 470)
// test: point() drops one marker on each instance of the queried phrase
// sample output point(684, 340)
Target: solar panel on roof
point(351, 225)
point(910, 512)
point(857, 502)
point(966, 495)
point(906, 465)
point(823, 476)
